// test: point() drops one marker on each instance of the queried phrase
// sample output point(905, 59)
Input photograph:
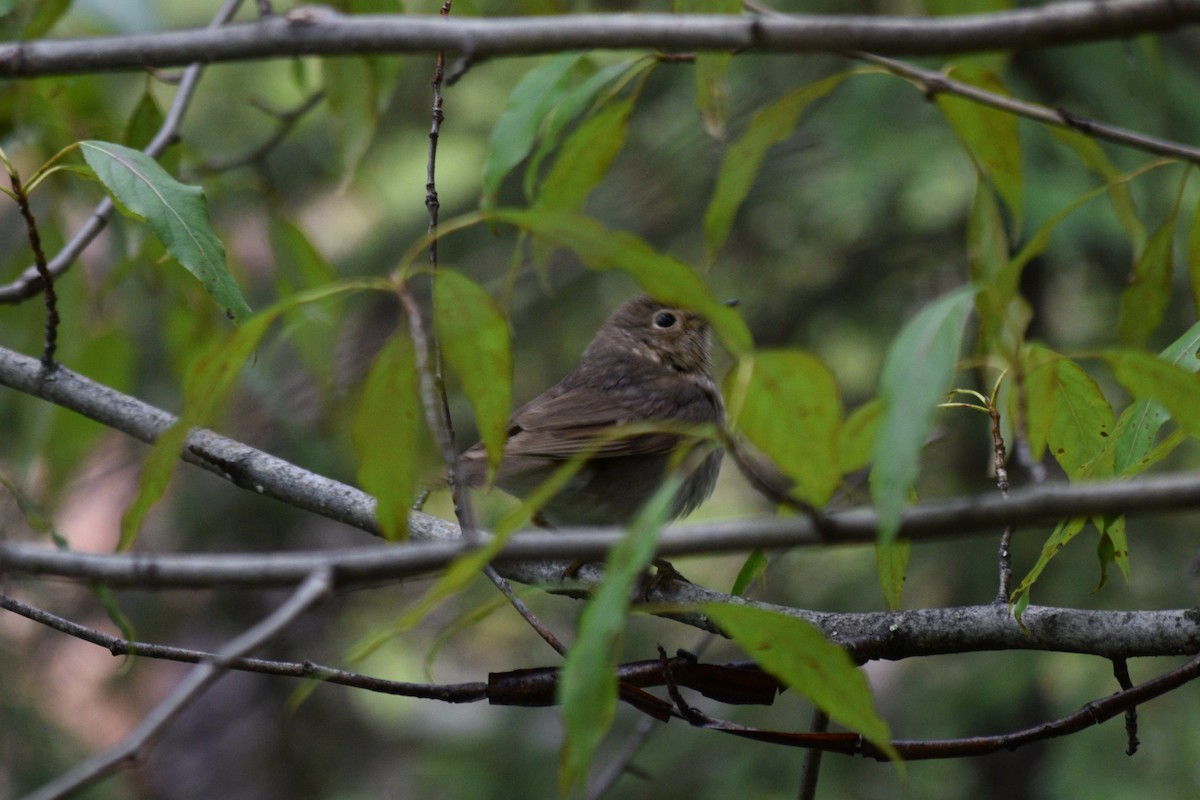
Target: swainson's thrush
point(648, 363)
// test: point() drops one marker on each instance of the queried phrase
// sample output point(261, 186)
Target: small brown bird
point(648, 363)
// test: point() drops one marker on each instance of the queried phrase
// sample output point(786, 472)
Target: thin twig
point(622, 762)
point(517, 603)
point(30, 281)
point(933, 83)
point(811, 770)
point(1121, 673)
point(50, 343)
point(450, 693)
point(314, 589)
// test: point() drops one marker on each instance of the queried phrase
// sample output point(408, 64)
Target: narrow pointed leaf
point(585, 158)
point(990, 136)
point(891, 563)
point(857, 440)
point(1094, 158)
point(176, 212)
point(1144, 301)
point(712, 94)
point(659, 275)
point(473, 334)
point(744, 158)
point(916, 376)
point(1063, 533)
point(388, 431)
point(800, 656)
point(587, 688)
point(514, 133)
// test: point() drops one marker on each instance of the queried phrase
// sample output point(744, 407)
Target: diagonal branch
point(313, 30)
point(30, 281)
point(314, 589)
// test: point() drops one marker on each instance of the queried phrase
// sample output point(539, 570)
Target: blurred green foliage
point(871, 202)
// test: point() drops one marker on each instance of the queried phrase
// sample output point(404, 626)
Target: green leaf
point(1138, 427)
point(176, 212)
point(1144, 301)
point(585, 158)
point(1147, 377)
point(787, 404)
point(799, 655)
point(752, 568)
point(987, 255)
point(1113, 547)
point(388, 428)
point(144, 122)
point(473, 335)
point(572, 105)
point(309, 327)
point(353, 97)
point(208, 382)
point(857, 440)
point(1069, 413)
point(515, 130)
point(46, 13)
point(587, 688)
point(891, 562)
point(1063, 533)
point(916, 376)
point(743, 160)
point(1193, 257)
point(209, 379)
point(665, 278)
point(1093, 157)
point(712, 95)
point(989, 135)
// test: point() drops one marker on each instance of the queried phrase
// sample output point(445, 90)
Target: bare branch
point(449, 693)
point(312, 30)
point(315, 588)
point(933, 83)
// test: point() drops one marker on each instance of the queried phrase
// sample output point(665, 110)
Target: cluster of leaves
point(567, 122)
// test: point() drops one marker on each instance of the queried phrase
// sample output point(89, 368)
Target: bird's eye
point(664, 319)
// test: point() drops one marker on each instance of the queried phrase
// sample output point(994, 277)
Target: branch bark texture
point(321, 31)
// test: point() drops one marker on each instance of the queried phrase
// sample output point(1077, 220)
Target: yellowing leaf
point(787, 404)
point(800, 656)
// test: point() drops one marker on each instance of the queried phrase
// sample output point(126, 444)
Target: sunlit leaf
point(176, 212)
point(587, 688)
point(800, 656)
point(473, 333)
point(661, 276)
point(916, 376)
point(743, 160)
point(787, 404)
point(989, 135)
point(514, 132)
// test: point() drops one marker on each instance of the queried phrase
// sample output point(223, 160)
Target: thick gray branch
point(437, 541)
point(320, 31)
